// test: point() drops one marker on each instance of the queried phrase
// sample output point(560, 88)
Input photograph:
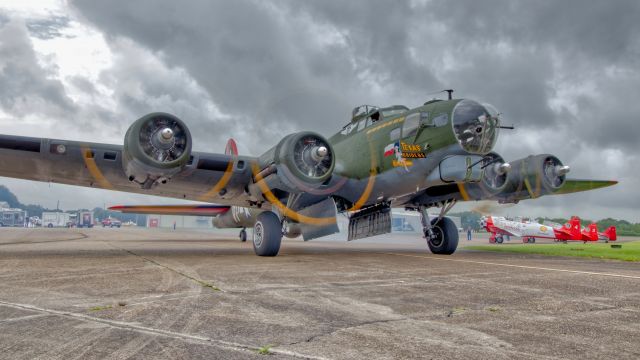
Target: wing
point(573, 185)
point(193, 210)
point(218, 178)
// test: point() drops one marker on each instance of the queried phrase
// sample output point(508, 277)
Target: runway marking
point(518, 266)
point(21, 318)
point(158, 332)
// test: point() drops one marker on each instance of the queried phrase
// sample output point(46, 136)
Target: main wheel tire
point(445, 239)
point(267, 234)
point(50, 225)
point(499, 239)
point(243, 235)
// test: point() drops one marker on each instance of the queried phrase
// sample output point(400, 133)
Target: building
point(13, 217)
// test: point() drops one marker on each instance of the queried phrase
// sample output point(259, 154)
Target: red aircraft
point(529, 231)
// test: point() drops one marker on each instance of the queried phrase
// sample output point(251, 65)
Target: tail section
point(575, 228)
point(611, 233)
point(231, 148)
point(488, 223)
point(592, 233)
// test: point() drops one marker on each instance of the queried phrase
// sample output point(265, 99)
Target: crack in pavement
point(154, 262)
point(314, 337)
point(82, 236)
point(227, 345)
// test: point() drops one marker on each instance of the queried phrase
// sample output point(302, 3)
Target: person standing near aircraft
point(468, 234)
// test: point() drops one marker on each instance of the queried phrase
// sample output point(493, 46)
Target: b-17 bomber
point(431, 156)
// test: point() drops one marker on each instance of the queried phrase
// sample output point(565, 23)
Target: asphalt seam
point(328, 333)
point(82, 236)
point(158, 332)
point(516, 266)
point(194, 279)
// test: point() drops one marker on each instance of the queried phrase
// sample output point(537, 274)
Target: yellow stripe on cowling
point(463, 191)
point(527, 184)
point(220, 184)
point(291, 214)
point(90, 163)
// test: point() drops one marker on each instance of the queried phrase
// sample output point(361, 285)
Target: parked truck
point(85, 219)
point(56, 219)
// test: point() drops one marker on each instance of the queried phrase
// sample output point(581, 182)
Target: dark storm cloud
point(565, 73)
point(25, 87)
point(269, 62)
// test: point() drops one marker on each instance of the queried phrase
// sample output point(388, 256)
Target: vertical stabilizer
point(575, 228)
point(611, 233)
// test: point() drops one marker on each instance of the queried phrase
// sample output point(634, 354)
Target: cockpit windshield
point(475, 126)
point(363, 111)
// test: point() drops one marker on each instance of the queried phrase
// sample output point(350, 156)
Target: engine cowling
point(300, 162)
point(495, 174)
point(534, 176)
point(156, 147)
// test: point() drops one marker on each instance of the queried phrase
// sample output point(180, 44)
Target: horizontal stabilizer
point(572, 185)
point(193, 210)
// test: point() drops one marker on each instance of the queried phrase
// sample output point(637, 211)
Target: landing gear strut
point(267, 234)
point(441, 233)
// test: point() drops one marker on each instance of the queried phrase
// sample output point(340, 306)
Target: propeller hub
point(166, 134)
point(322, 151)
point(562, 170)
point(503, 168)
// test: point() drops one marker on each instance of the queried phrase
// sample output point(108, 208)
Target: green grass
point(100, 308)
point(630, 251)
point(265, 350)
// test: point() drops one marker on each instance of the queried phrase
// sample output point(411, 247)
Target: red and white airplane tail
point(574, 227)
point(591, 234)
point(611, 233)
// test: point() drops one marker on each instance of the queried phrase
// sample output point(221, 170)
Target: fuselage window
point(411, 123)
point(441, 120)
point(424, 119)
point(394, 134)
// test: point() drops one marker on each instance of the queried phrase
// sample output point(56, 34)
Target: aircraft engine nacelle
point(300, 162)
point(495, 174)
point(534, 176)
point(156, 147)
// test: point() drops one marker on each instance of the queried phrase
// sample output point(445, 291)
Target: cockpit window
point(475, 127)
point(411, 123)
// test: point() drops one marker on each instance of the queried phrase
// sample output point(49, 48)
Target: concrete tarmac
point(138, 293)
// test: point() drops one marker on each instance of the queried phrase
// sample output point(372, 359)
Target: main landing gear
point(267, 234)
point(441, 233)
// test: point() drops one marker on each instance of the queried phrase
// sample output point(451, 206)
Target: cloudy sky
point(565, 73)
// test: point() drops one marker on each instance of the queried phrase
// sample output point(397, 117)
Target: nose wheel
point(243, 235)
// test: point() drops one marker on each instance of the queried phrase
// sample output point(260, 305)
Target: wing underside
point(213, 178)
point(192, 210)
